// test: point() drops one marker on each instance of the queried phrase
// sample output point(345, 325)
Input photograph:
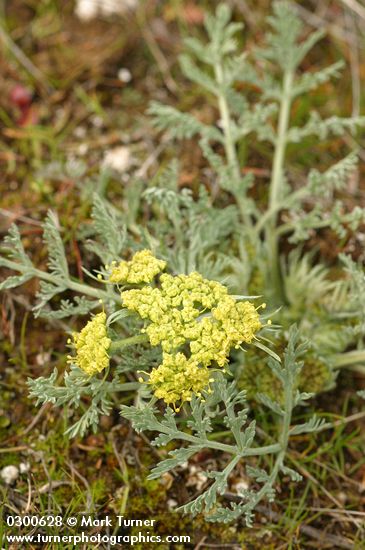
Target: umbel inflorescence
point(196, 323)
point(92, 345)
point(194, 320)
point(141, 269)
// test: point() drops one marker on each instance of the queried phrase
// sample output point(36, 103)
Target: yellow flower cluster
point(196, 323)
point(141, 269)
point(92, 345)
point(231, 324)
point(177, 378)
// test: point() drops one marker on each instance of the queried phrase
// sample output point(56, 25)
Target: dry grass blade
point(356, 7)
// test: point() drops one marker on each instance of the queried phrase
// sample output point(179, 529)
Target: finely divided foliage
point(228, 406)
point(275, 72)
point(237, 246)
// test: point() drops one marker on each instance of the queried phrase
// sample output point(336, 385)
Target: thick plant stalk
point(229, 144)
point(283, 443)
point(231, 449)
point(276, 183)
point(125, 342)
point(279, 156)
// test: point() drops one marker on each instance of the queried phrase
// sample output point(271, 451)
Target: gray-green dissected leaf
point(309, 81)
point(258, 474)
point(80, 306)
point(313, 425)
point(270, 403)
point(335, 178)
point(46, 292)
point(110, 232)
point(57, 261)
point(180, 125)
point(13, 247)
point(207, 500)
point(322, 128)
point(294, 476)
point(16, 280)
point(200, 422)
point(178, 457)
point(197, 75)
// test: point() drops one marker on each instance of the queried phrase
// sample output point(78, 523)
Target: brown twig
point(18, 217)
point(35, 420)
point(52, 485)
point(29, 499)
point(14, 449)
point(200, 543)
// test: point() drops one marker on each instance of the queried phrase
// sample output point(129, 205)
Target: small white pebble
point(124, 75)
point(118, 159)
point(342, 497)
point(24, 467)
point(82, 149)
point(171, 503)
point(79, 132)
point(97, 121)
point(196, 478)
point(241, 486)
point(119, 7)
point(42, 358)
point(9, 474)
point(86, 10)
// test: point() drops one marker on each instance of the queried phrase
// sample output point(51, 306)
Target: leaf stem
point(125, 342)
point(276, 184)
point(350, 359)
point(277, 179)
point(68, 283)
point(126, 386)
point(294, 198)
point(229, 143)
point(232, 449)
point(282, 446)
